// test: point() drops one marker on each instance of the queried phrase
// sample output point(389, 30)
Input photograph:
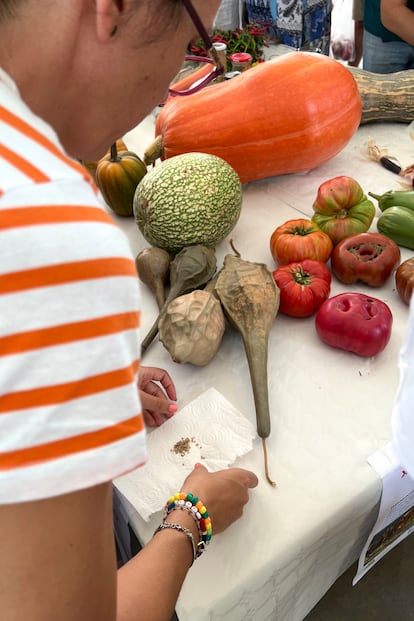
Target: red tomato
point(303, 287)
point(355, 322)
point(368, 257)
point(404, 280)
point(300, 239)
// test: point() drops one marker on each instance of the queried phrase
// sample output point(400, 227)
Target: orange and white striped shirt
point(70, 415)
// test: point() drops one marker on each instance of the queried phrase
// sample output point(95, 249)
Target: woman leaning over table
point(75, 76)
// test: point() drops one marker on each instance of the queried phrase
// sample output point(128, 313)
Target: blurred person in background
point(301, 24)
point(398, 17)
point(384, 50)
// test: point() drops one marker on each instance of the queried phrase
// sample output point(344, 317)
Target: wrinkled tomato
point(299, 239)
point(355, 322)
point(368, 257)
point(303, 285)
point(404, 280)
point(342, 209)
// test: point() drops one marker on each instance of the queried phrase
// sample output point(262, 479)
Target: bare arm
point(358, 39)
point(149, 585)
point(397, 17)
point(58, 557)
point(58, 562)
point(152, 580)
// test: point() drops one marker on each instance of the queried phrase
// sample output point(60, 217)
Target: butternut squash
point(287, 115)
point(385, 97)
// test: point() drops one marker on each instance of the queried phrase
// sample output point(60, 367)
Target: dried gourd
point(191, 268)
point(192, 327)
point(153, 266)
point(250, 299)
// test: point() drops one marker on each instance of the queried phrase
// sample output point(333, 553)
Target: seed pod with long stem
point(250, 299)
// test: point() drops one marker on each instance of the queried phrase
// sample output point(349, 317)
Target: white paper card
point(396, 514)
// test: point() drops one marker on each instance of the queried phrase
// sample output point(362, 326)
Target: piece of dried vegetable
point(250, 299)
point(191, 268)
point(192, 327)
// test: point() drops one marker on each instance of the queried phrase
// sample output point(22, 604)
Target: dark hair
point(8, 8)
point(170, 11)
point(163, 12)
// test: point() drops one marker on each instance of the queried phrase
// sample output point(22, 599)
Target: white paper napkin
point(209, 430)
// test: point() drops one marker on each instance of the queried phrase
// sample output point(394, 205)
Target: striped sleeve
point(70, 415)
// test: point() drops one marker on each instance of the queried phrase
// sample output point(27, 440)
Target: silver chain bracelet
point(181, 529)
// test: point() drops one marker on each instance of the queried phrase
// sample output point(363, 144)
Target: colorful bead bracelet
point(194, 506)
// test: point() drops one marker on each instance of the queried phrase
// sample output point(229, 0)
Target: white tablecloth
point(330, 410)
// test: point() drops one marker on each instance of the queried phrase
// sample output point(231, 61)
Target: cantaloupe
point(189, 199)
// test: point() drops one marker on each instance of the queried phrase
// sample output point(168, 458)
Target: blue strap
point(273, 10)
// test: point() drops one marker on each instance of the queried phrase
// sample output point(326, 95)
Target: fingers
point(156, 410)
point(225, 492)
point(149, 375)
point(154, 390)
point(241, 475)
point(152, 419)
point(156, 405)
point(247, 478)
point(235, 478)
point(244, 477)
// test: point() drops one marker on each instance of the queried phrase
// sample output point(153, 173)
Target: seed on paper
point(183, 446)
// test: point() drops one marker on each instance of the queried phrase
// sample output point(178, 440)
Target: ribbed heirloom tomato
point(342, 209)
point(404, 280)
point(368, 257)
point(299, 239)
point(303, 285)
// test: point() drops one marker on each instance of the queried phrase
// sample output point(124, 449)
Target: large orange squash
point(286, 115)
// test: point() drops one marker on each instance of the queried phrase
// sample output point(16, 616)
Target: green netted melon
point(189, 199)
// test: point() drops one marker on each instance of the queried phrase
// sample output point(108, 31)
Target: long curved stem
point(266, 464)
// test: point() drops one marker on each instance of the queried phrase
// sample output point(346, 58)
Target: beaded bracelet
point(194, 506)
point(181, 529)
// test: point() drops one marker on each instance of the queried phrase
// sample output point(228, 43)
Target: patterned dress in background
point(301, 24)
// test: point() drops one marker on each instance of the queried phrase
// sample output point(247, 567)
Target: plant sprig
point(250, 39)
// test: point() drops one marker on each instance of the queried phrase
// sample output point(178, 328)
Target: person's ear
point(108, 13)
